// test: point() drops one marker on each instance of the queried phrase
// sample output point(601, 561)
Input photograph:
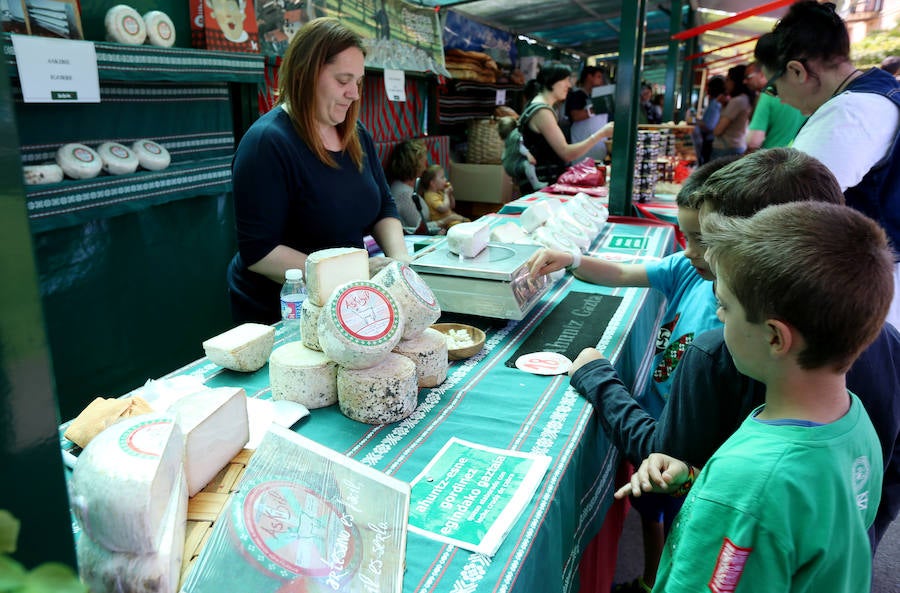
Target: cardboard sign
point(224, 25)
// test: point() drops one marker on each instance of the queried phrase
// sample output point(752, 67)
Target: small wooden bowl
point(460, 353)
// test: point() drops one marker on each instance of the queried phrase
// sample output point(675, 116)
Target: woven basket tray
point(485, 145)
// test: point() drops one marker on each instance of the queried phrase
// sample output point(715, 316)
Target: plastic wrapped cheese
point(553, 239)
point(244, 348)
point(301, 375)
point(468, 239)
point(152, 156)
point(384, 393)
point(327, 269)
point(78, 161)
point(309, 325)
point(587, 213)
point(40, 174)
point(216, 427)
point(360, 323)
point(125, 25)
point(590, 205)
point(417, 301)
point(156, 572)
point(160, 29)
point(562, 225)
point(535, 215)
point(428, 352)
point(123, 479)
point(117, 159)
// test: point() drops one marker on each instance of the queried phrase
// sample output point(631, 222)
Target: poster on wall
point(53, 18)
point(462, 33)
point(397, 35)
point(224, 25)
point(13, 18)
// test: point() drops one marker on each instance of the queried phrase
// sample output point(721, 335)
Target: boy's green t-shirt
point(779, 121)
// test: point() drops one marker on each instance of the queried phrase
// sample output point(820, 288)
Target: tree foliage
point(876, 46)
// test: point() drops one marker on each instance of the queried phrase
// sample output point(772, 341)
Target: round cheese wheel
point(309, 325)
point(117, 159)
point(550, 238)
point(125, 25)
point(360, 323)
point(160, 29)
point(384, 393)
point(78, 161)
point(151, 155)
point(416, 300)
point(301, 375)
point(428, 352)
point(39, 174)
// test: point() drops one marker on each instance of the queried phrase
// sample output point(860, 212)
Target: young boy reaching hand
point(785, 502)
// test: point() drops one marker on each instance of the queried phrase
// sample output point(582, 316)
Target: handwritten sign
point(56, 70)
point(395, 85)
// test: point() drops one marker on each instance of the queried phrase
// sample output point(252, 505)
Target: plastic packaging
point(293, 293)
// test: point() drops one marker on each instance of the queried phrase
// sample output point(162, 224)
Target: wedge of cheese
point(123, 480)
point(244, 348)
point(302, 375)
point(329, 268)
point(387, 392)
point(215, 427)
point(508, 232)
point(428, 351)
point(416, 300)
point(156, 572)
point(535, 215)
point(468, 239)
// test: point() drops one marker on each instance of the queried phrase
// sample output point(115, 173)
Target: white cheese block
point(309, 325)
point(386, 392)
point(562, 226)
point(327, 269)
point(121, 484)
point(535, 215)
point(549, 237)
point(78, 161)
point(360, 323)
point(592, 224)
point(215, 427)
point(117, 159)
point(160, 29)
point(508, 232)
point(244, 348)
point(468, 238)
point(39, 174)
point(125, 25)
point(301, 375)
point(156, 572)
point(428, 352)
point(152, 156)
point(417, 301)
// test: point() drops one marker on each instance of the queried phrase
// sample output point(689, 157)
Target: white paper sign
point(501, 97)
point(395, 85)
point(57, 70)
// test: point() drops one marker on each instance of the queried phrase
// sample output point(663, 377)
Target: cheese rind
point(415, 298)
point(244, 348)
point(302, 375)
point(123, 479)
point(215, 427)
point(40, 174)
point(78, 161)
point(125, 25)
point(327, 269)
point(156, 572)
point(117, 159)
point(309, 325)
point(360, 323)
point(468, 238)
point(384, 393)
point(428, 352)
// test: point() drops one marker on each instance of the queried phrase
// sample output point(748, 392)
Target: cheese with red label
point(156, 572)
point(468, 239)
point(417, 301)
point(309, 325)
point(327, 269)
point(387, 392)
point(359, 324)
point(244, 348)
point(121, 484)
point(78, 161)
point(160, 29)
point(152, 156)
point(428, 351)
point(216, 427)
point(301, 375)
point(117, 159)
point(125, 25)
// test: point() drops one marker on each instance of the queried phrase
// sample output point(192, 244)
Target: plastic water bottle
point(293, 293)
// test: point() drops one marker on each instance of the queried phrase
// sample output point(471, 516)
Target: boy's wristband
point(686, 486)
point(576, 261)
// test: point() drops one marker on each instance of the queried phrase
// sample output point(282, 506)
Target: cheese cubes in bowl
point(463, 340)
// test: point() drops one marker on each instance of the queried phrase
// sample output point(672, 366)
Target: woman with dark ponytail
point(731, 131)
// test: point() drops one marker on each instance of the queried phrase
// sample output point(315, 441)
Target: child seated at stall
point(438, 194)
point(517, 160)
point(785, 502)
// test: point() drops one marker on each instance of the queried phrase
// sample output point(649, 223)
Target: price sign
point(500, 98)
point(544, 363)
point(56, 70)
point(395, 85)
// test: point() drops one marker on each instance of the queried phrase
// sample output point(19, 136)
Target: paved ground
point(886, 569)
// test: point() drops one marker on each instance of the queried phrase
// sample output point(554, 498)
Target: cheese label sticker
point(130, 24)
point(365, 315)
point(152, 148)
point(119, 151)
point(418, 286)
point(147, 439)
point(83, 154)
point(164, 31)
point(544, 363)
point(292, 530)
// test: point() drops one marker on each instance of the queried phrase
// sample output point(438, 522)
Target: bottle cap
point(293, 274)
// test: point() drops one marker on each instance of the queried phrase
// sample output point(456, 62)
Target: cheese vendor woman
point(306, 175)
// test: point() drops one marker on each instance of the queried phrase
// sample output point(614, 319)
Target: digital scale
point(495, 283)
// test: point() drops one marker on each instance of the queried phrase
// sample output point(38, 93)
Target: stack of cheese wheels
point(384, 393)
point(130, 497)
point(302, 375)
point(428, 351)
point(327, 269)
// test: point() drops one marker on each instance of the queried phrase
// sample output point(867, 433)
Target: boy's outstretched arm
point(658, 473)
point(592, 269)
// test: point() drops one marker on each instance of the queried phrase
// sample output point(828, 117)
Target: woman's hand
point(547, 261)
point(658, 473)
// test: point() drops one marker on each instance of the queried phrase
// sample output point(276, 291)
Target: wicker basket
point(485, 145)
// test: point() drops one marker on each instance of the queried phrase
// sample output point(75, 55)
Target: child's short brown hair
point(428, 176)
point(505, 125)
point(825, 269)
point(405, 160)
point(687, 195)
